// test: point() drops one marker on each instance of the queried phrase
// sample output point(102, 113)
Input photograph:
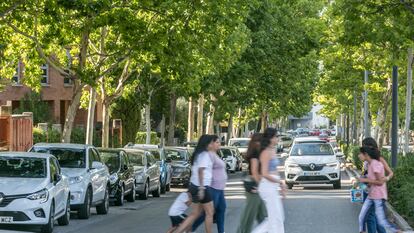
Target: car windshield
point(312, 149)
point(136, 158)
point(67, 157)
point(226, 153)
point(111, 159)
point(23, 167)
point(175, 155)
point(239, 143)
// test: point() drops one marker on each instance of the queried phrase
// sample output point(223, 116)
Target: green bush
point(53, 136)
point(39, 135)
point(352, 154)
point(78, 135)
point(140, 138)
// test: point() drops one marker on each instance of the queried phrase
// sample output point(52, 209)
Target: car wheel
point(85, 210)
point(120, 198)
point(64, 220)
point(103, 208)
point(157, 192)
point(163, 187)
point(48, 228)
point(337, 184)
point(289, 186)
point(131, 195)
point(144, 195)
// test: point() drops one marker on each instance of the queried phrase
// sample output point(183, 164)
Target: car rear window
point(23, 167)
point(111, 159)
point(312, 149)
point(136, 158)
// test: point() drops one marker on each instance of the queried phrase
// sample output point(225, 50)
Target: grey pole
point(367, 129)
point(354, 124)
point(394, 131)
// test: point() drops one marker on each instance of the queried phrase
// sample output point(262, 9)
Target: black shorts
point(177, 220)
point(194, 194)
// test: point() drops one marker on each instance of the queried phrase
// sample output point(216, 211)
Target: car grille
point(17, 215)
point(318, 167)
point(8, 199)
point(312, 178)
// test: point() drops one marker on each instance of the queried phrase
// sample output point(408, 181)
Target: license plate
point(6, 219)
point(311, 173)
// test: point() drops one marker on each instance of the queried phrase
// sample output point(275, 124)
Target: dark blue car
point(164, 163)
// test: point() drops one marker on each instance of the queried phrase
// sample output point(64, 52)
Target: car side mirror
point(284, 155)
point(97, 165)
point(57, 178)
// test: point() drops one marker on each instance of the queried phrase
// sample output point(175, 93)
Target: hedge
point(401, 186)
point(51, 135)
point(141, 137)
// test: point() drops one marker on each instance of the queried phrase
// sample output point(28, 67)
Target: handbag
point(249, 184)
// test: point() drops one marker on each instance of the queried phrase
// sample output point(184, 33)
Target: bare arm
point(254, 166)
point(201, 176)
point(378, 180)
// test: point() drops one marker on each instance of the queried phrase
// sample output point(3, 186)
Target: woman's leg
point(220, 211)
point(363, 214)
point(371, 220)
point(251, 210)
point(262, 211)
point(271, 197)
point(209, 211)
point(381, 217)
point(197, 208)
point(198, 222)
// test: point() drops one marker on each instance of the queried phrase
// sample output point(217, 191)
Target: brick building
point(56, 91)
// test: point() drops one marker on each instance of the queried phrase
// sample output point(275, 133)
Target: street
point(313, 209)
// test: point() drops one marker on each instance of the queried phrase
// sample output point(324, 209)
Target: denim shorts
point(194, 194)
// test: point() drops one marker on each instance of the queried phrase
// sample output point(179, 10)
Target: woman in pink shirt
point(377, 193)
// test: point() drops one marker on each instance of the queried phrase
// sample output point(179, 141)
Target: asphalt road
point(308, 209)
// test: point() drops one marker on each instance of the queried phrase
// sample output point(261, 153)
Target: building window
point(16, 77)
point(67, 81)
point(45, 74)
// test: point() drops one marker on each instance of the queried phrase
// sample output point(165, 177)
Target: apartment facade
point(56, 91)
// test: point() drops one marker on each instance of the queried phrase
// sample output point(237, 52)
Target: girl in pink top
point(377, 194)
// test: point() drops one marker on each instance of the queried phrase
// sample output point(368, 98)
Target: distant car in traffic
point(146, 172)
point(88, 175)
point(180, 162)
point(232, 157)
point(164, 163)
point(312, 162)
point(241, 144)
point(122, 180)
point(33, 191)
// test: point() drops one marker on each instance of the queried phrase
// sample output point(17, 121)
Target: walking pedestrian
point(270, 186)
point(371, 220)
point(377, 194)
point(255, 208)
point(201, 178)
point(177, 210)
point(217, 187)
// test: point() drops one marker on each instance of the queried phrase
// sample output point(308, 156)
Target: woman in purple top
point(217, 187)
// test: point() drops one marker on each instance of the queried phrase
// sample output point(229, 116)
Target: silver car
point(146, 172)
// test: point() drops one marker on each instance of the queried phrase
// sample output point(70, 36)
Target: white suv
point(312, 162)
point(33, 191)
point(88, 175)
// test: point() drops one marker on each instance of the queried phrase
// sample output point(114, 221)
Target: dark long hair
point(253, 151)
point(202, 145)
point(370, 151)
point(268, 134)
point(371, 143)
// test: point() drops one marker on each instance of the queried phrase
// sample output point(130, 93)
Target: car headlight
point(113, 178)
point(292, 165)
point(75, 180)
point(42, 196)
point(332, 164)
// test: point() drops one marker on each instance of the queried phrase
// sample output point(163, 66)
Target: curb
point(400, 221)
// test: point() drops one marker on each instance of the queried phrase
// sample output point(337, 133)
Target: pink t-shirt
point(377, 191)
point(219, 173)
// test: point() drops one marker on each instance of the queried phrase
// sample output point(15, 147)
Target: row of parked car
point(47, 183)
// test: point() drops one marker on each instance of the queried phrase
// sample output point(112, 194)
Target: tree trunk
point(408, 101)
point(236, 130)
point(171, 123)
point(383, 114)
point(71, 113)
point(105, 123)
point(190, 131)
point(148, 123)
point(263, 125)
point(246, 129)
point(230, 128)
point(210, 120)
point(200, 114)
point(91, 116)
point(163, 131)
